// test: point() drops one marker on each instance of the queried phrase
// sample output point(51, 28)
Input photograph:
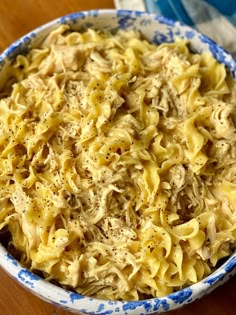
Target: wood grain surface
point(18, 17)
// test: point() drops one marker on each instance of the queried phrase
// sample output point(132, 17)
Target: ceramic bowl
point(156, 29)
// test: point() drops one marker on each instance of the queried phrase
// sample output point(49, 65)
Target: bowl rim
point(12, 48)
point(69, 299)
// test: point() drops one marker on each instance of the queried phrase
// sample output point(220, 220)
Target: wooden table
point(18, 17)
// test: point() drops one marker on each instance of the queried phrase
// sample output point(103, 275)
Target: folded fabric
point(214, 18)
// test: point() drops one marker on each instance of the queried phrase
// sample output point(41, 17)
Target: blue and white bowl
point(157, 29)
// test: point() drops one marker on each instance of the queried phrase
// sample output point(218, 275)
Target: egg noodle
point(118, 163)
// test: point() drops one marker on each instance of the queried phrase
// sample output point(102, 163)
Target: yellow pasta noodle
point(118, 163)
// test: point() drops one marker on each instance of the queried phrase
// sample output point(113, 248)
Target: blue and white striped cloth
point(214, 18)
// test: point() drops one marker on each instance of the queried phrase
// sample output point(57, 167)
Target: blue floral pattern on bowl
point(157, 29)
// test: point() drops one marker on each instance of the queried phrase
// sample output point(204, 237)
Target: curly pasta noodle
point(118, 163)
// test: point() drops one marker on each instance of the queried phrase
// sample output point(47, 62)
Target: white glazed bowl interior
point(156, 29)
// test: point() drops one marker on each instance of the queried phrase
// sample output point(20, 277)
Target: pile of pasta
point(118, 163)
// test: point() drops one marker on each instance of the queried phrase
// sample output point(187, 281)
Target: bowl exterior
point(156, 29)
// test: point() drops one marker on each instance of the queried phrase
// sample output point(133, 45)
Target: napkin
point(214, 18)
